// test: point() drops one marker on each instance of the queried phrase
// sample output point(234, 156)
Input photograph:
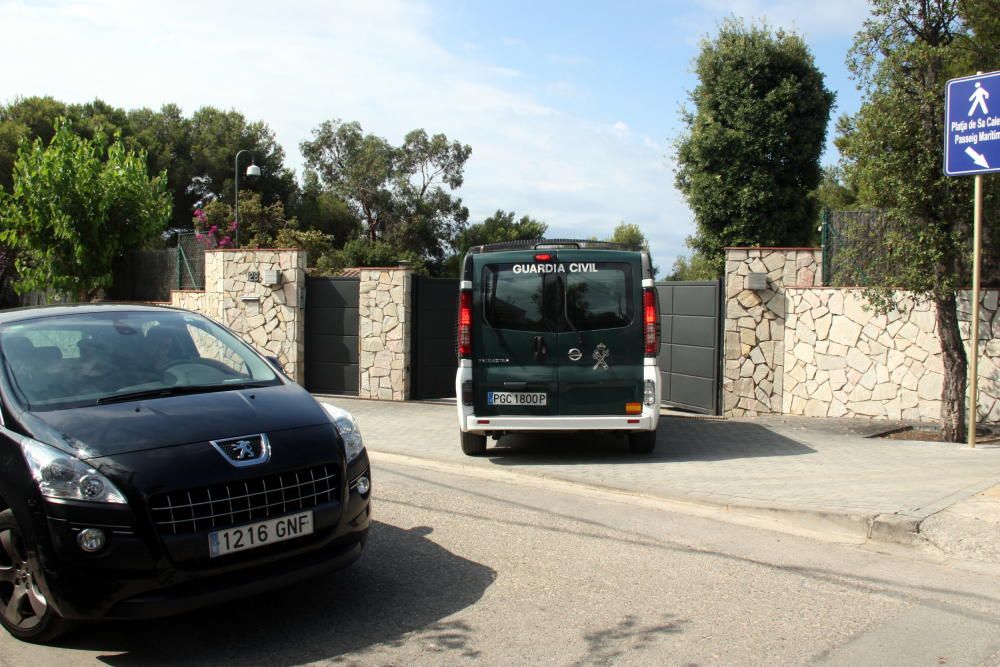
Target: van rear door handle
point(541, 351)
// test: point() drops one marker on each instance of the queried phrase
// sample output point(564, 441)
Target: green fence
point(150, 275)
point(855, 242)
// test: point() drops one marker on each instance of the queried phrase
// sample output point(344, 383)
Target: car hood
point(106, 430)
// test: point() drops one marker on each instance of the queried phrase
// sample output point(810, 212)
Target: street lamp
point(252, 170)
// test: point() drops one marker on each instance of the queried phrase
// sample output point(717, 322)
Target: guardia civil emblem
point(601, 354)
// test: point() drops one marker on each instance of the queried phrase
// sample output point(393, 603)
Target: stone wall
point(384, 333)
point(842, 360)
point(271, 318)
point(754, 347)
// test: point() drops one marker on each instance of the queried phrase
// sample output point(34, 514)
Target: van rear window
point(602, 299)
point(598, 296)
point(515, 300)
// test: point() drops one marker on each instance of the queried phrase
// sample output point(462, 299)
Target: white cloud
point(295, 65)
point(819, 19)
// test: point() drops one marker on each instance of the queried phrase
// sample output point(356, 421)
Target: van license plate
point(254, 535)
point(521, 398)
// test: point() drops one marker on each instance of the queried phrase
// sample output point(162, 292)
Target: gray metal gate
point(432, 345)
point(689, 345)
point(331, 362)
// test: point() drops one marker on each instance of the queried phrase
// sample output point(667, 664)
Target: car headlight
point(348, 428)
point(60, 475)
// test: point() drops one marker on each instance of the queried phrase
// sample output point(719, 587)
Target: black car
point(152, 463)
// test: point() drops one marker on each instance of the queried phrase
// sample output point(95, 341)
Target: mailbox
point(757, 281)
point(271, 277)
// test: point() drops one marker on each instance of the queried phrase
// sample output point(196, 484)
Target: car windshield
point(81, 359)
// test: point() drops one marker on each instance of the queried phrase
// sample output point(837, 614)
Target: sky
point(571, 108)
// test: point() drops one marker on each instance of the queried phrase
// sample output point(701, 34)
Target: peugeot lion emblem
point(242, 450)
point(601, 354)
point(245, 450)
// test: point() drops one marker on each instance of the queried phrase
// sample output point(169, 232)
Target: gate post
point(384, 319)
point(753, 367)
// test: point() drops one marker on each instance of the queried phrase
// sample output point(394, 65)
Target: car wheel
point(473, 444)
point(24, 611)
point(642, 442)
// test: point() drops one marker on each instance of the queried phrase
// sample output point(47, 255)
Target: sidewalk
point(820, 474)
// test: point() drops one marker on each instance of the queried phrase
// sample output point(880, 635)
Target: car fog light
point(364, 485)
point(91, 540)
point(649, 395)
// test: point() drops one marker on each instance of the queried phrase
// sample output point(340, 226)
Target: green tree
point(750, 154)
point(497, 228)
point(322, 210)
point(25, 119)
point(165, 136)
point(835, 193)
point(76, 205)
point(401, 194)
point(892, 150)
point(631, 235)
point(695, 268)
point(216, 137)
point(259, 224)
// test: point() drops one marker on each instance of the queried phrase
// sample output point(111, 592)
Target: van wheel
point(24, 611)
point(642, 442)
point(473, 444)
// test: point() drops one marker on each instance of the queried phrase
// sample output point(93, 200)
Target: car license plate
point(521, 398)
point(254, 535)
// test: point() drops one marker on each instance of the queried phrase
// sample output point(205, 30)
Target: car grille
point(223, 505)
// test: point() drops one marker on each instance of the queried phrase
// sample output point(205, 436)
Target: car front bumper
point(143, 574)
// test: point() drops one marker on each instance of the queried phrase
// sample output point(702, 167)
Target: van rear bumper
point(642, 422)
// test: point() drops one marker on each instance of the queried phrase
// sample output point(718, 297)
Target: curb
point(860, 526)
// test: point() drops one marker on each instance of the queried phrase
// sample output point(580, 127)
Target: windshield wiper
point(176, 391)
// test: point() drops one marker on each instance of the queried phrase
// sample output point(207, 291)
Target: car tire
point(473, 444)
point(30, 618)
point(642, 442)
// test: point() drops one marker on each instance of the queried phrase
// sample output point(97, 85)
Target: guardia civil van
point(557, 335)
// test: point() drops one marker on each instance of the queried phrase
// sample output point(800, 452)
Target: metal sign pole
point(972, 148)
point(974, 333)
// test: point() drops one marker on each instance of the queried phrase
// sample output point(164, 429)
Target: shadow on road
point(677, 439)
point(403, 583)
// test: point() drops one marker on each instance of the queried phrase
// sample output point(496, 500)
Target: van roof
point(551, 244)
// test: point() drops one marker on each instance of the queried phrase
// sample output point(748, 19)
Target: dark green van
point(557, 335)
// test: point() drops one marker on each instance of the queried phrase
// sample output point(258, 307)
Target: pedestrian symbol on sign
point(979, 98)
point(972, 125)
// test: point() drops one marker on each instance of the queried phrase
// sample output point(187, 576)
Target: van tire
point(642, 442)
point(473, 444)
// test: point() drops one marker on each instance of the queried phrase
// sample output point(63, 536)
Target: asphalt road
point(482, 568)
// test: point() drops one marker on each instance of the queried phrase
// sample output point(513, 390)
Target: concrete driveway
point(819, 474)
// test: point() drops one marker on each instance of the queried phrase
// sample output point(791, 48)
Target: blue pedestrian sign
point(972, 125)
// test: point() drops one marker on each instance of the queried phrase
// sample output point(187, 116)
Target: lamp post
point(252, 170)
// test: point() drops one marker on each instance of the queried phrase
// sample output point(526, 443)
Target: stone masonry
point(754, 343)
point(384, 333)
point(844, 360)
point(269, 317)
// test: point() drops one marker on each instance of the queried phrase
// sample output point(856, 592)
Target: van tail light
point(465, 324)
point(650, 322)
